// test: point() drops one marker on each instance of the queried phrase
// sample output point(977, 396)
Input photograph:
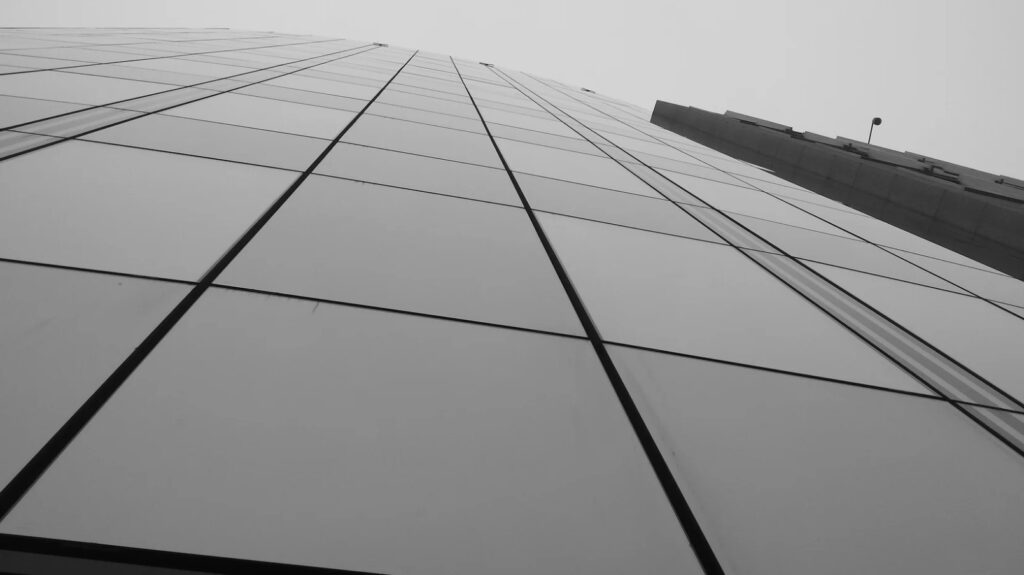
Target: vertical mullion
point(692, 529)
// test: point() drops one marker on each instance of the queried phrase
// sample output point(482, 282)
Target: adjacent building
point(974, 213)
point(289, 304)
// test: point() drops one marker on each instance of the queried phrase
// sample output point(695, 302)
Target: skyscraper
point(278, 303)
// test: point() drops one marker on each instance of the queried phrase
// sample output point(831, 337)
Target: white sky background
point(945, 76)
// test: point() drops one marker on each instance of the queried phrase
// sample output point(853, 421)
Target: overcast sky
point(944, 76)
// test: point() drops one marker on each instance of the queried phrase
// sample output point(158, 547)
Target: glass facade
point(283, 304)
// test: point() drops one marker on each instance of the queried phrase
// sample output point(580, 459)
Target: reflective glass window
point(425, 117)
point(682, 167)
point(750, 202)
point(417, 91)
point(122, 209)
point(368, 244)
point(74, 88)
point(635, 142)
point(432, 84)
point(572, 166)
point(325, 86)
point(709, 300)
point(302, 97)
point(880, 232)
point(969, 330)
point(172, 79)
point(415, 138)
point(14, 142)
point(843, 252)
point(419, 173)
point(214, 140)
point(986, 284)
point(398, 98)
point(61, 334)
point(267, 114)
point(611, 206)
point(20, 110)
point(550, 126)
point(545, 139)
point(794, 193)
point(792, 476)
point(34, 62)
point(286, 431)
point(189, 67)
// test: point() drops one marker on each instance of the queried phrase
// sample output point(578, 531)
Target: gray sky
point(944, 76)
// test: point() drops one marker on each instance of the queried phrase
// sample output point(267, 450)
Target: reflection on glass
point(287, 431)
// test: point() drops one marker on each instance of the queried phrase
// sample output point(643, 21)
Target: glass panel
point(75, 88)
point(491, 93)
point(424, 117)
point(986, 284)
point(61, 334)
point(80, 122)
point(842, 252)
point(420, 139)
point(80, 54)
point(326, 86)
point(398, 98)
point(972, 331)
point(188, 67)
point(430, 84)
point(736, 168)
point(34, 62)
point(363, 73)
point(544, 139)
point(524, 107)
point(229, 84)
point(122, 209)
point(880, 232)
point(550, 126)
point(1019, 311)
point(796, 193)
point(143, 75)
point(164, 100)
point(20, 110)
point(10, 41)
point(368, 244)
point(404, 89)
point(681, 168)
point(571, 166)
point(302, 97)
point(610, 206)
point(448, 75)
point(1008, 424)
point(750, 202)
point(634, 144)
point(683, 164)
point(345, 77)
point(419, 173)
point(282, 430)
point(267, 114)
point(709, 300)
point(215, 140)
point(15, 142)
point(791, 476)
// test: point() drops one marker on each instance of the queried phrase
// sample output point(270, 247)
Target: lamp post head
point(876, 122)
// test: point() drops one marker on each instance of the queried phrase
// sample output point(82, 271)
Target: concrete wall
point(982, 227)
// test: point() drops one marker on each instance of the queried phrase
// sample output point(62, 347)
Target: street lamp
point(875, 122)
